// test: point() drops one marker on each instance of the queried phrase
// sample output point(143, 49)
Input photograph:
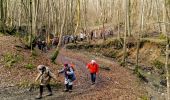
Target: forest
point(127, 41)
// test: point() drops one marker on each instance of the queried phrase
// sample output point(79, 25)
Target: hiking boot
point(92, 83)
point(66, 90)
point(70, 87)
point(38, 97)
point(49, 94)
point(70, 91)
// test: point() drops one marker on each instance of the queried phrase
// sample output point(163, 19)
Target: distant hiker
point(39, 43)
point(69, 77)
point(44, 46)
point(55, 41)
point(93, 68)
point(66, 39)
point(81, 36)
point(75, 38)
point(91, 35)
point(44, 76)
point(71, 38)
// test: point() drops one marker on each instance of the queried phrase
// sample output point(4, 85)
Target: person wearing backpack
point(93, 68)
point(69, 77)
point(44, 76)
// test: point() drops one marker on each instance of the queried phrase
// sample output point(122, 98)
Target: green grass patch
point(79, 46)
point(159, 65)
point(1, 34)
point(155, 41)
point(110, 53)
point(121, 63)
point(144, 98)
point(29, 66)
point(10, 59)
point(54, 56)
point(162, 36)
point(24, 84)
point(71, 46)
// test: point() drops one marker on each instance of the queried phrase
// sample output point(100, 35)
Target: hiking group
point(45, 75)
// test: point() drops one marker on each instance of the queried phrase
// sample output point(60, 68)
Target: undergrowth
point(11, 59)
point(29, 66)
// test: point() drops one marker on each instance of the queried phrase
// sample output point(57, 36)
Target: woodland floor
point(118, 83)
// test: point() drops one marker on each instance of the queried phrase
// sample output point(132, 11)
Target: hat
point(65, 64)
point(40, 67)
point(93, 61)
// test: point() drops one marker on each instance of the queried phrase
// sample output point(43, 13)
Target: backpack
point(72, 66)
point(72, 77)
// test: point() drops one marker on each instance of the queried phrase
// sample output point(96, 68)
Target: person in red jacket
point(93, 68)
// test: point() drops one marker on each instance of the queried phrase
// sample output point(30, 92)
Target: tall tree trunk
point(53, 58)
point(32, 23)
point(128, 18)
point(78, 16)
point(85, 14)
point(71, 16)
point(1, 13)
point(2, 17)
point(33, 16)
point(118, 19)
point(158, 18)
point(60, 16)
point(167, 71)
point(49, 27)
point(141, 25)
point(20, 12)
point(126, 32)
point(164, 17)
point(167, 49)
point(103, 11)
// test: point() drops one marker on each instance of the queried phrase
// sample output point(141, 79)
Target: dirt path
point(116, 84)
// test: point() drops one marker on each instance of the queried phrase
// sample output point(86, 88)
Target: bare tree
point(118, 23)
point(141, 25)
point(32, 22)
point(3, 17)
point(53, 58)
point(78, 16)
point(158, 15)
point(126, 31)
point(167, 69)
point(164, 16)
point(167, 49)
point(128, 18)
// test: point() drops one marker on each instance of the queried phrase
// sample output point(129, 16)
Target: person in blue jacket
point(69, 77)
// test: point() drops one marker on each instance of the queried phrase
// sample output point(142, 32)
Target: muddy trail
point(117, 83)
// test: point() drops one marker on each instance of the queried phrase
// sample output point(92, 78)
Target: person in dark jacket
point(69, 77)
